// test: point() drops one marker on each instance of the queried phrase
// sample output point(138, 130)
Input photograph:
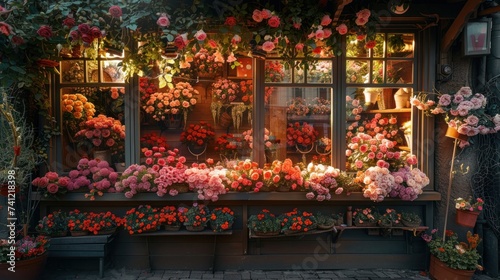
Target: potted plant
point(104, 223)
point(26, 261)
point(221, 219)
point(51, 184)
point(297, 221)
point(325, 221)
point(467, 211)
point(366, 217)
point(393, 216)
point(197, 136)
point(264, 223)
point(450, 258)
point(144, 218)
point(54, 224)
point(410, 219)
point(78, 223)
point(172, 218)
point(197, 217)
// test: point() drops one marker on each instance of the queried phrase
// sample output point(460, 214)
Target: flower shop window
point(91, 98)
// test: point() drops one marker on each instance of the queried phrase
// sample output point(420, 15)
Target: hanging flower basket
point(466, 218)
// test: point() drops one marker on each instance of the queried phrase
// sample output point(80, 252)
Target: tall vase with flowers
point(463, 111)
point(450, 258)
point(468, 210)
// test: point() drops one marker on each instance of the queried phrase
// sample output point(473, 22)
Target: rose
point(95, 32)
point(257, 16)
point(231, 21)
point(268, 46)
point(45, 31)
point(74, 35)
point(200, 35)
point(5, 28)
point(69, 22)
point(274, 22)
point(299, 47)
point(86, 38)
point(342, 29)
point(327, 32)
point(370, 44)
point(84, 28)
point(115, 11)
point(236, 39)
point(52, 188)
point(16, 40)
point(365, 14)
point(361, 21)
point(163, 21)
point(181, 41)
point(326, 20)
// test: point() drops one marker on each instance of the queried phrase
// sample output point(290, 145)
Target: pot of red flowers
point(144, 218)
point(450, 258)
point(101, 135)
point(197, 136)
point(297, 221)
point(468, 211)
point(264, 223)
point(78, 223)
point(53, 225)
point(221, 219)
point(302, 137)
point(28, 260)
point(103, 223)
point(197, 217)
point(172, 218)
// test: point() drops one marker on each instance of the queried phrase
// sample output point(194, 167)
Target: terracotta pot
point(440, 271)
point(193, 228)
point(453, 133)
point(172, 227)
point(25, 270)
point(466, 218)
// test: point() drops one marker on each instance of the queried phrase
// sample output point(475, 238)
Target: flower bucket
point(79, 232)
point(466, 218)
point(30, 269)
point(265, 233)
point(172, 227)
point(193, 228)
point(106, 231)
point(453, 133)
point(440, 271)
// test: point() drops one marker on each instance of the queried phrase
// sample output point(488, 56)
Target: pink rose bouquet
point(102, 133)
point(322, 181)
point(135, 179)
point(51, 184)
point(208, 182)
point(378, 183)
point(181, 98)
point(170, 167)
point(408, 183)
point(225, 91)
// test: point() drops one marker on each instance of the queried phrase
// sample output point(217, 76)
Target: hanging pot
point(466, 218)
point(453, 133)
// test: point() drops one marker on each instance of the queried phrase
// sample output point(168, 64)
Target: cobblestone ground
point(126, 274)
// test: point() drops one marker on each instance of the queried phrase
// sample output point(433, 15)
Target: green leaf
point(18, 69)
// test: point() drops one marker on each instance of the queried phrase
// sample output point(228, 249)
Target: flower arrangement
point(353, 116)
point(170, 166)
point(225, 91)
point(51, 184)
point(452, 252)
point(390, 216)
point(27, 247)
point(199, 134)
point(144, 218)
point(172, 216)
point(76, 108)
point(320, 106)
point(135, 179)
point(365, 217)
point(297, 221)
point(468, 204)
point(380, 124)
point(227, 145)
point(462, 110)
point(197, 216)
point(245, 176)
point(264, 222)
point(298, 107)
point(102, 133)
point(408, 183)
point(274, 72)
point(246, 91)
point(283, 175)
point(103, 221)
point(410, 219)
point(325, 145)
point(179, 99)
point(221, 219)
point(54, 224)
point(378, 183)
point(150, 140)
point(322, 181)
point(209, 182)
point(78, 221)
point(301, 134)
point(268, 142)
point(146, 88)
point(205, 62)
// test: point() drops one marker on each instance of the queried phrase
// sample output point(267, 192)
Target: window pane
point(378, 50)
point(357, 71)
point(320, 73)
point(399, 72)
point(92, 72)
point(112, 72)
point(299, 122)
point(378, 72)
point(72, 71)
point(400, 45)
point(355, 47)
point(277, 72)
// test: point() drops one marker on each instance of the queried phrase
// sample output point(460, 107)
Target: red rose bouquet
point(198, 134)
point(301, 134)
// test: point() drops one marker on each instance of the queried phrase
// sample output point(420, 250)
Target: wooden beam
point(340, 7)
point(489, 11)
point(458, 24)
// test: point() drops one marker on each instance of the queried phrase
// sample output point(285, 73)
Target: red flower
point(45, 31)
point(231, 21)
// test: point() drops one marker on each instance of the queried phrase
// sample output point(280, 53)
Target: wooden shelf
point(184, 232)
point(394, 111)
point(316, 231)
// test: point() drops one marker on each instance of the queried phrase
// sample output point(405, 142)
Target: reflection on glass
point(299, 121)
point(357, 71)
point(378, 50)
point(399, 72)
point(72, 71)
point(378, 72)
point(400, 45)
point(277, 72)
point(355, 47)
point(112, 72)
point(320, 73)
point(299, 74)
